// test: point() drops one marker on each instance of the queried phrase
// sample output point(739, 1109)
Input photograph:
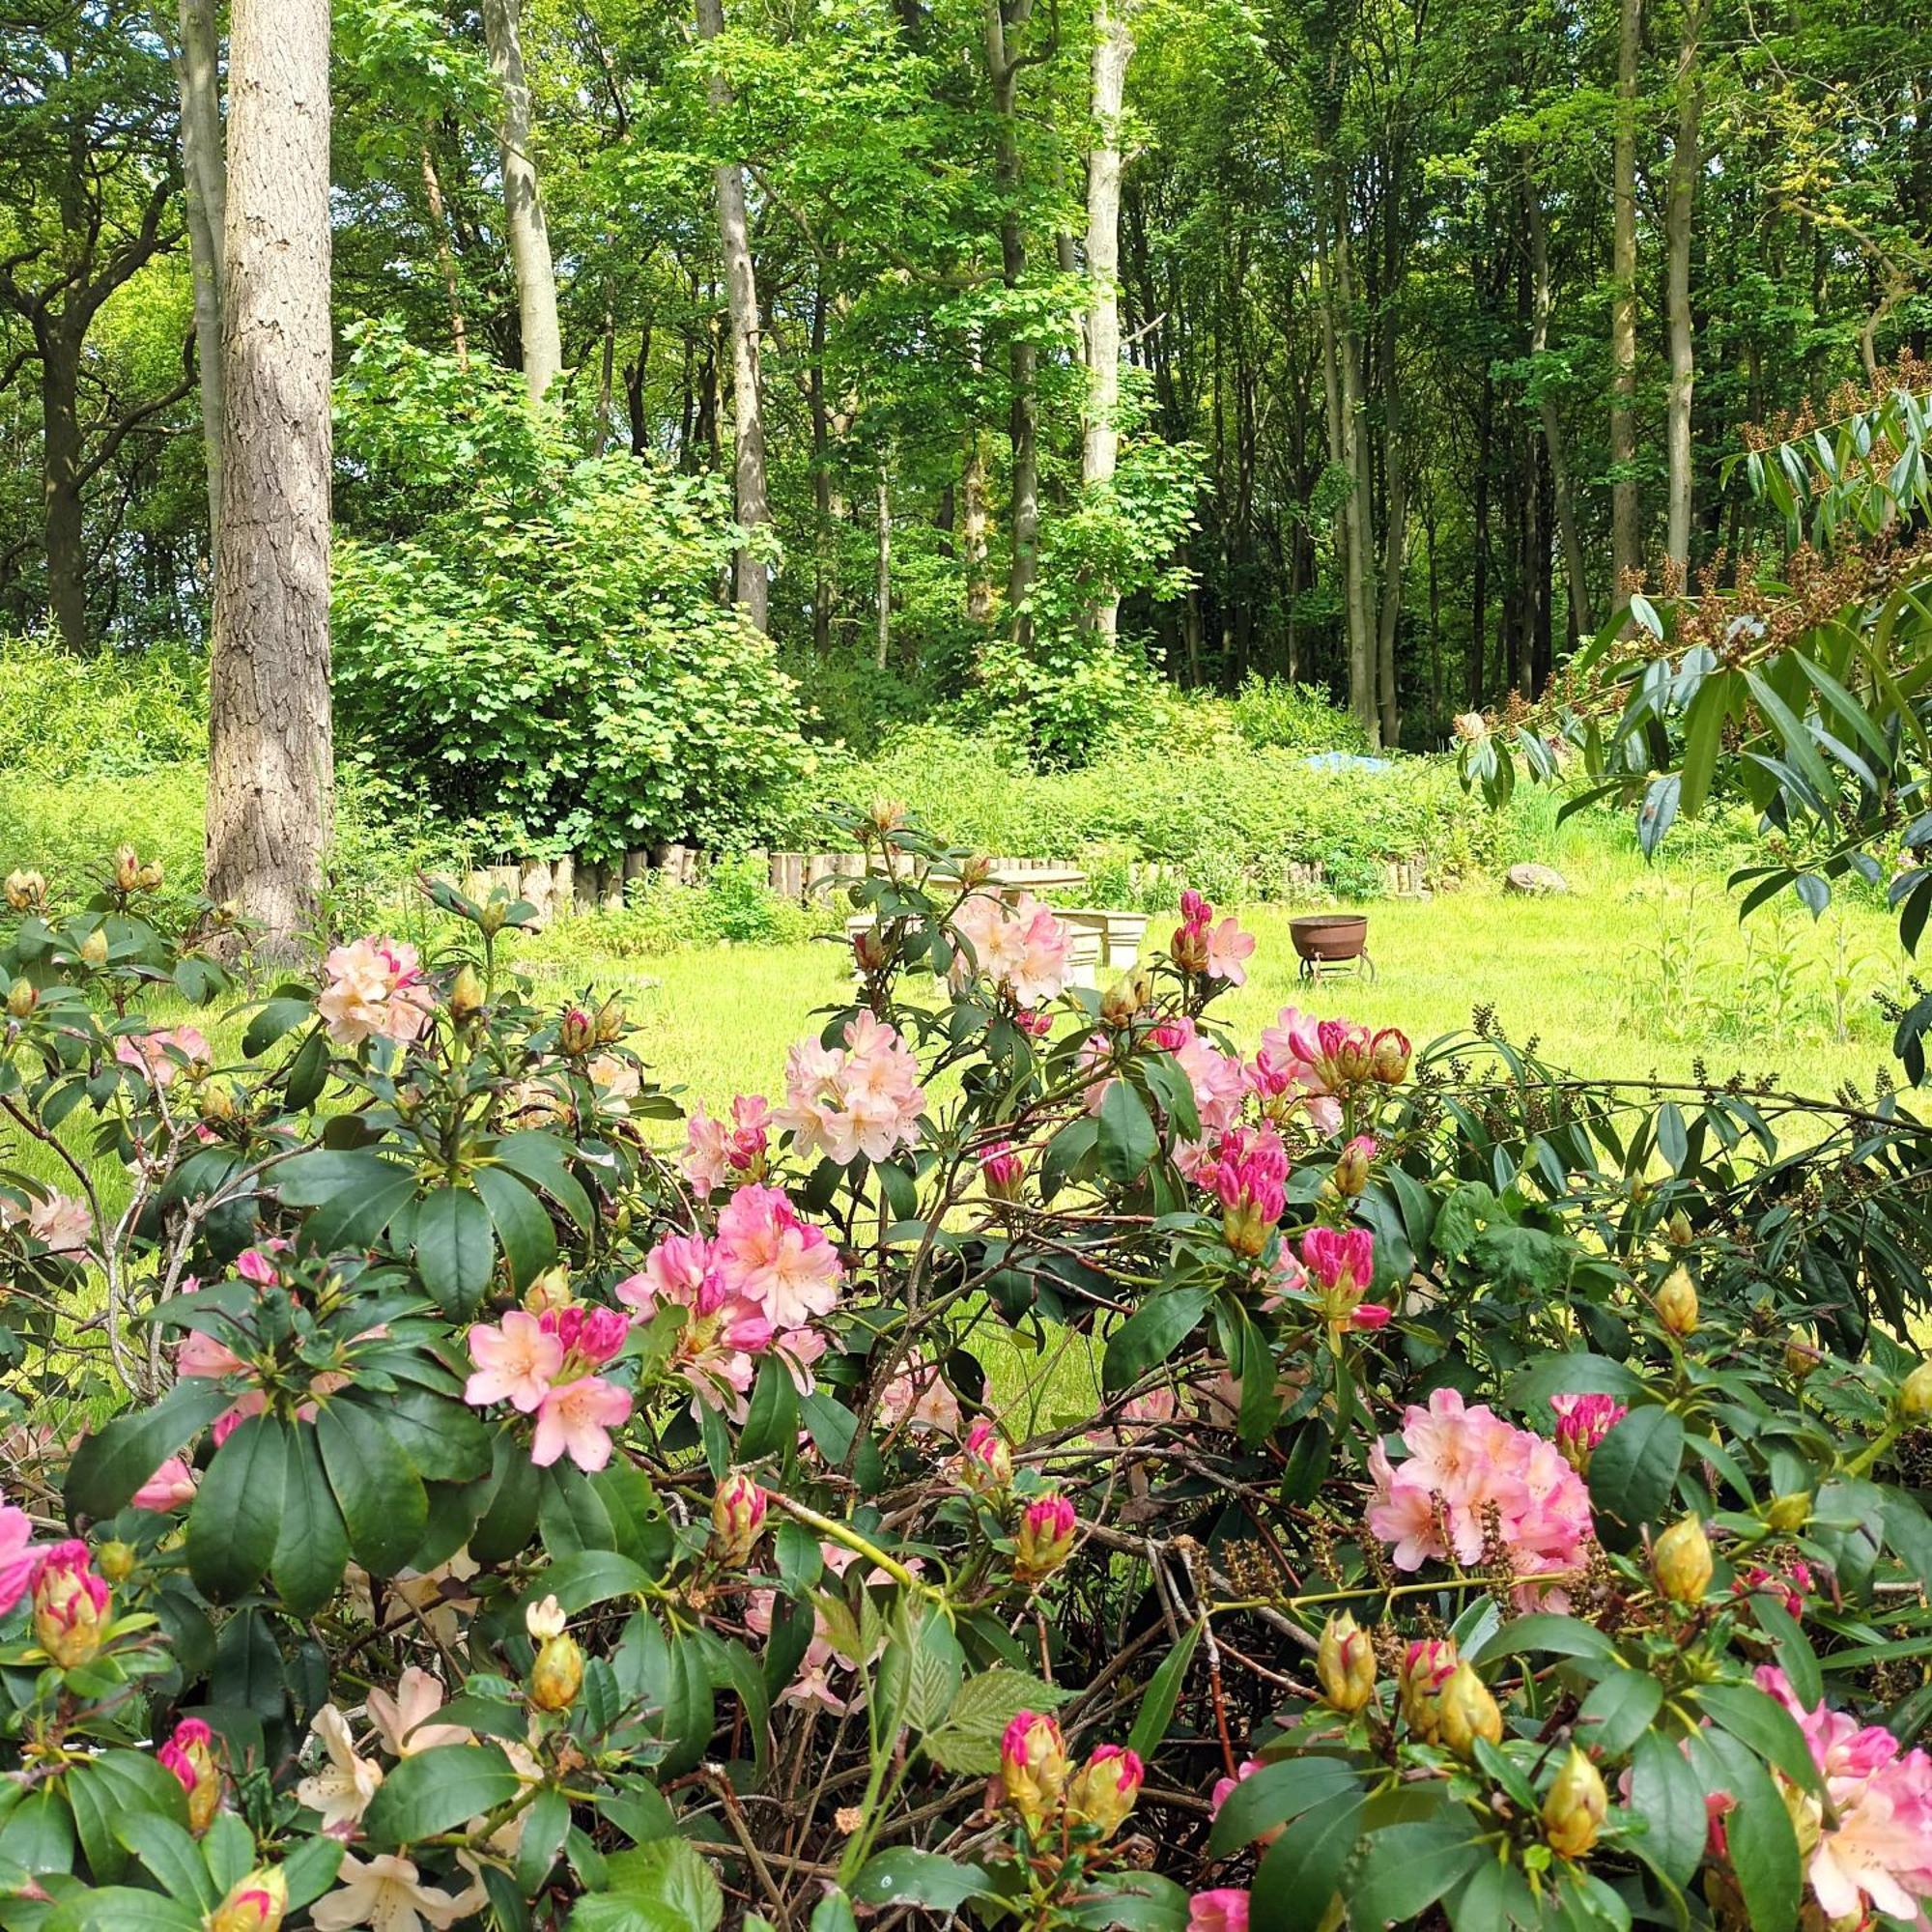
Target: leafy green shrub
point(115, 714)
point(1272, 712)
point(1221, 811)
point(536, 642)
point(500, 1498)
point(732, 904)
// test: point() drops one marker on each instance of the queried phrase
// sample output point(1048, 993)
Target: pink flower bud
point(1003, 1170)
point(1034, 1766)
point(985, 1462)
point(1103, 1790)
point(70, 1605)
point(1353, 1163)
point(1045, 1540)
point(737, 1514)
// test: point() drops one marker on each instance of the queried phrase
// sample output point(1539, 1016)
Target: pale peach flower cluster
point(1021, 947)
point(860, 1098)
point(375, 986)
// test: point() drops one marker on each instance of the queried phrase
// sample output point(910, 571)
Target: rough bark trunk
point(1361, 695)
point(1395, 508)
point(752, 589)
point(1113, 49)
point(270, 764)
point(636, 375)
point(1679, 206)
point(445, 258)
point(1003, 70)
point(1626, 541)
point(1355, 459)
point(523, 202)
point(59, 343)
point(974, 520)
point(204, 166)
point(607, 373)
point(1553, 423)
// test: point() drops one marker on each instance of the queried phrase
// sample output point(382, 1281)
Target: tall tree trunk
point(445, 257)
point(885, 570)
point(606, 372)
point(1361, 689)
point(1626, 537)
point(1678, 209)
point(271, 777)
point(636, 375)
point(204, 171)
point(825, 542)
point(1113, 49)
point(974, 520)
point(1552, 422)
point(752, 587)
point(1003, 72)
point(1474, 677)
point(59, 340)
point(1353, 457)
point(1395, 490)
point(523, 203)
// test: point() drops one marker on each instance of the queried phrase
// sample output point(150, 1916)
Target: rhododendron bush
point(1046, 1460)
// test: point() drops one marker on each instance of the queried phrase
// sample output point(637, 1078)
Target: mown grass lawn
point(1633, 973)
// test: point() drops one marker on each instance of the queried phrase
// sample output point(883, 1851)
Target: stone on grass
point(1535, 882)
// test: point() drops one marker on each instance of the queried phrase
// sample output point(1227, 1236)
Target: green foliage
point(1190, 794)
point(117, 715)
point(731, 905)
point(535, 642)
point(1272, 714)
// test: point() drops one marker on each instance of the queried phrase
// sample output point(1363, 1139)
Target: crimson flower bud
point(1033, 1765)
point(71, 1605)
point(1353, 1165)
point(1103, 1790)
point(126, 869)
point(1427, 1667)
point(1045, 1541)
point(1389, 1055)
point(256, 1903)
point(578, 1032)
point(737, 1515)
point(986, 1460)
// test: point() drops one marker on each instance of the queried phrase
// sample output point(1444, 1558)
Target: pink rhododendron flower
point(860, 1098)
point(1200, 945)
point(516, 1362)
point(723, 1330)
point(1582, 1421)
point(765, 1252)
point(18, 1557)
point(1878, 1854)
point(1214, 1077)
point(63, 1223)
point(170, 1487)
point(1791, 1587)
point(402, 1721)
point(149, 1052)
point(1369, 1315)
point(1249, 1173)
point(1461, 1461)
point(1022, 949)
point(202, 1355)
point(375, 986)
point(715, 1154)
point(253, 1264)
point(1341, 1264)
point(1223, 1910)
point(576, 1421)
point(919, 1397)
